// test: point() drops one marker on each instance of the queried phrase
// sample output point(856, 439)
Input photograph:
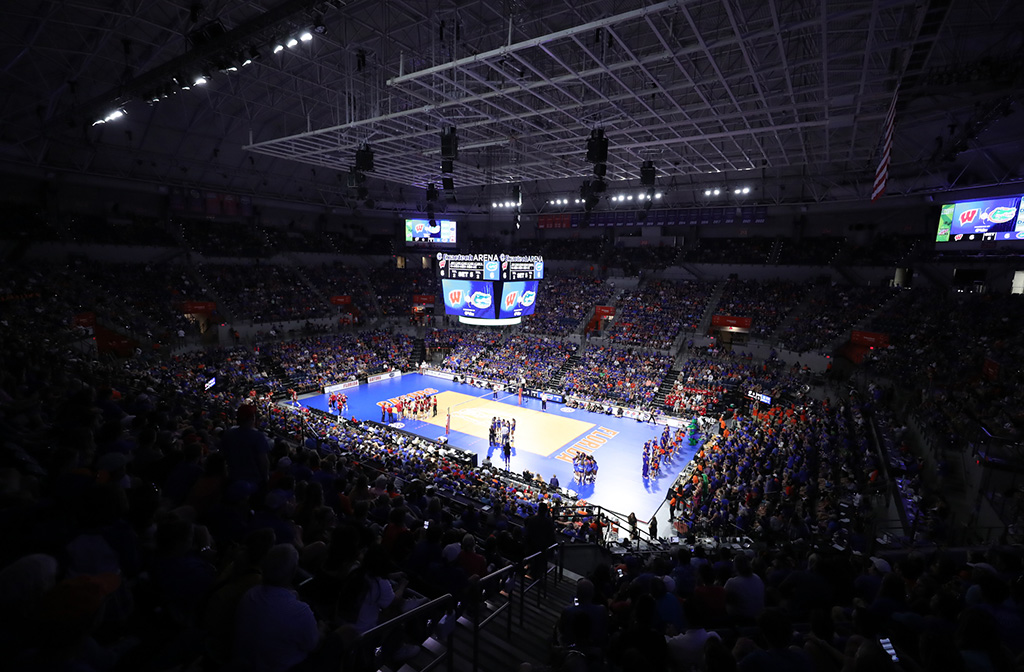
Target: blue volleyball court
point(545, 441)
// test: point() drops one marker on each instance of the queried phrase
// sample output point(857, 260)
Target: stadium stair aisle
point(666, 386)
point(297, 270)
point(530, 643)
point(419, 352)
point(709, 312)
point(556, 378)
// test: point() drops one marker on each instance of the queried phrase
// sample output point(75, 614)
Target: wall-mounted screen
point(430, 231)
point(993, 220)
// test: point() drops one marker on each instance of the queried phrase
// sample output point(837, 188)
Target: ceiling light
point(746, 190)
point(658, 195)
point(494, 205)
point(737, 191)
point(199, 80)
point(291, 42)
point(707, 192)
point(111, 116)
point(306, 36)
point(716, 192)
point(629, 198)
point(278, 48)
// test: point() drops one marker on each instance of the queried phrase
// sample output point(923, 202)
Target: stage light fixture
point(318, 26)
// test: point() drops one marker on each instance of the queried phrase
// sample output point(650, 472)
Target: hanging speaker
point(448, 183)
point(647, 174)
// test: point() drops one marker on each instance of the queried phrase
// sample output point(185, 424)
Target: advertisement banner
point(604, 311)
point(84, 320)
point(341, 386)
point(869, 338)
point(537, 394)
point(198, 307)
point(731, 321)
point(384, 376)
point(341, 300)
point(439, 374)
point(423, 299)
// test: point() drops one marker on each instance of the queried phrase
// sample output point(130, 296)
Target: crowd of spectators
point(653, 314)
point(469, 346)
point(882, 250)
point(619, 376)
point(293, 240)
point(831, 314)
point(336, 279)
point(816, 251)
point(395, 288)
point(152, 295)
point(635, 259)
point(731, 251)
point(213, 238)
point(140, 510)
point(522, 359)
point(766, 302)
point(263, 293)
point(118, 230)
point(563, 302)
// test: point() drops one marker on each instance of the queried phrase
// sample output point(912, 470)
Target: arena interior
point(278, 394)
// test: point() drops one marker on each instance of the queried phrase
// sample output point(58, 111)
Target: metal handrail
point(384, 628)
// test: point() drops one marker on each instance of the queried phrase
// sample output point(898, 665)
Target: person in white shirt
point(686, 650)
point(274, 630)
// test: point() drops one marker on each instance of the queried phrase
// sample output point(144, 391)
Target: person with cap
point(247, 449)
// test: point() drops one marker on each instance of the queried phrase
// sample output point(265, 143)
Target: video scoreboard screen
point(490, 267)
point(468, 298)
point(517, 299)
point(430, 232)
point(982, 223)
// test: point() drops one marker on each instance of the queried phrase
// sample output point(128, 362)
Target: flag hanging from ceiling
point(882, 172)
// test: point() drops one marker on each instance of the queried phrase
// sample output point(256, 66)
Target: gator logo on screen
point(510, 300)
point(480, 300)
point(491, 266)
point(1000, 215)
point(455, 297)
point(528, 298)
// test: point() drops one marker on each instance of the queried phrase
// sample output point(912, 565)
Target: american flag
point(882, 173)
